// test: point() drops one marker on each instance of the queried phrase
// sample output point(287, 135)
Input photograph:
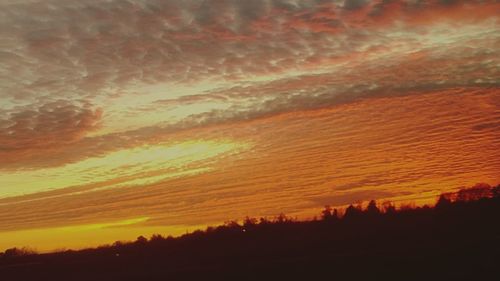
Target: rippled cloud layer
point(193, 112)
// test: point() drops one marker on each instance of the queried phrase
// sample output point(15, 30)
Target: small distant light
point(117, 254)
point(244, 230)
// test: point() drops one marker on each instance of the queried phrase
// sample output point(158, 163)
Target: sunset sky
point(121, 118)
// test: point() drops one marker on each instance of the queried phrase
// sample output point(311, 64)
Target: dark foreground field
point(459, 239)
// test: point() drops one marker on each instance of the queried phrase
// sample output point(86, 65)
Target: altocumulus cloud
point(50, 126)
point(60, 48)
point(341, 100)
point(64, 63)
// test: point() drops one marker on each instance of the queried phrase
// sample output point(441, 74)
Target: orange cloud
point(49, 126)
point(372, 149)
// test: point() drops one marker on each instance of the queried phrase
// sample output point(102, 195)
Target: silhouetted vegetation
point(457, 239)
point(17, 252)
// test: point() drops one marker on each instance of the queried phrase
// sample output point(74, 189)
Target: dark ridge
point(457, 239)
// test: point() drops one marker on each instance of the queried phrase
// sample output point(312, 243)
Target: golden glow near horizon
point(82, 236)
point(116, 111)
point(129, 167)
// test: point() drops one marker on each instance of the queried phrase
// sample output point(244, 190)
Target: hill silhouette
point(457, 239)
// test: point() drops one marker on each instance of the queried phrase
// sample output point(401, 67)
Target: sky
point(121, 118)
